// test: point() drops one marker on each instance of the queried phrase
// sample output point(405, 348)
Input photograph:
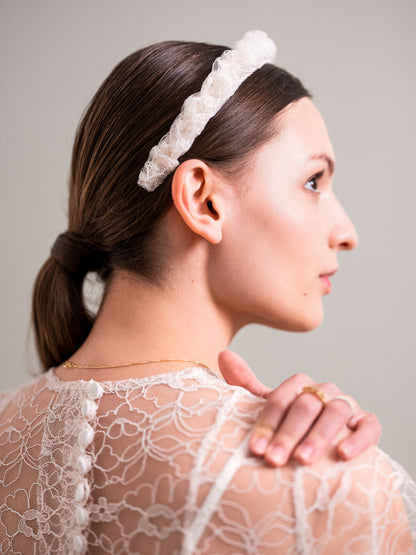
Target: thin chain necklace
point(70, 364)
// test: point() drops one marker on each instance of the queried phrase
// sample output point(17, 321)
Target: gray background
point(358, 59)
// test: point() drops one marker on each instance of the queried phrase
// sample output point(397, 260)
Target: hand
point(296, 425)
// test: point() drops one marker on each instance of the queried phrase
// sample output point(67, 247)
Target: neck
point(138, 322)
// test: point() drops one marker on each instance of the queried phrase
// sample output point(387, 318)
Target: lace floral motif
point(228, 72)
point(159, 466)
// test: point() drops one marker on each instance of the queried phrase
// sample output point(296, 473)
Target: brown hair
point(112, 220)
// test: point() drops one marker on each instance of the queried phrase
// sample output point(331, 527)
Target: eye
point(312, 183)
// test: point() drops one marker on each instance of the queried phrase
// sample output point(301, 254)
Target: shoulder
point(193, 392)
point(363, 504)
point(14, 400)
point(325, 508)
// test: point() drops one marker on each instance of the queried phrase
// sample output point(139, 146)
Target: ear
point(196, 193)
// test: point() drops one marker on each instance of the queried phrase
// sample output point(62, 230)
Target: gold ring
point(317, 392)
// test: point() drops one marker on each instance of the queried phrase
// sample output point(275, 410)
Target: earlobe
point(196, 196)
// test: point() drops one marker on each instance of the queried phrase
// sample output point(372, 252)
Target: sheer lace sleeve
point(159, 466)
point(348, 509)
point(364, 506)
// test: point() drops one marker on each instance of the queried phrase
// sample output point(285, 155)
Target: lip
point(329, 274)
point(326, 281)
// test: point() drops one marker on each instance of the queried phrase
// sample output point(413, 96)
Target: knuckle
point(374, 437)
point(339, 409)
point(274, 408)
point(307, 406)
point(302, 378)
point(368, 416)
point(275, 397)
point(370, 426)
point(375, 422)
point(371, 418)
point(329, 388)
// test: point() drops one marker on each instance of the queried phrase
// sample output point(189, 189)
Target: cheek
point(260, 272)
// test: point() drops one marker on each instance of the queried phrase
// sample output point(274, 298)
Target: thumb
point(236, 371)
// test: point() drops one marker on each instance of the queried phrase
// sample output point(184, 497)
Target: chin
point(309, 321)
point(302, 322)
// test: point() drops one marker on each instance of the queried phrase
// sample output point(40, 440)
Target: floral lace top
point(159, 466)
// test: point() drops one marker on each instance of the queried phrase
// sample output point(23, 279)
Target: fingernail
point(259, 445)
point(305, 452)
point(277, 455)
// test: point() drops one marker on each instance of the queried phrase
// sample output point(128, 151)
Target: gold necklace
point(70, 364)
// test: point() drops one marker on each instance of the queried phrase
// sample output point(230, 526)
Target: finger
point(272, 415)
point(236, 371)
point(302, 413)
point(366, 432)
point(334, 417)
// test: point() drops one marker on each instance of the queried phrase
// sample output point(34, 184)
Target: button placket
point(86, 435)
point(83, 491)
point(94, 391)
point(81, 516)
point(88, 409)
point(84, 464)
point(79, 543)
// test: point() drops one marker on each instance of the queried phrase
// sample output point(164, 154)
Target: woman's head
point(131, 111)
point(280, 239)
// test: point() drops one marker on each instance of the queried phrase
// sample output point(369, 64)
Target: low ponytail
point(61, 320)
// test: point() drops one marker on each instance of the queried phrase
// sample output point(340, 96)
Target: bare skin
point(262, 255)
point(309, 431)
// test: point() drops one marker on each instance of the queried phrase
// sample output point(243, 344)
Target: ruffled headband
point(251, 52)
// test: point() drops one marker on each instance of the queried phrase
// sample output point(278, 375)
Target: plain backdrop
point(357, 58)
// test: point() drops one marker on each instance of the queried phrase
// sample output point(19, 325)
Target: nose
point(343, 234)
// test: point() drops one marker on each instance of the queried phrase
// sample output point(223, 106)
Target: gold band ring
point(317, 392)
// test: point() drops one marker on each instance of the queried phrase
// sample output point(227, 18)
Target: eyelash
point(315, 178)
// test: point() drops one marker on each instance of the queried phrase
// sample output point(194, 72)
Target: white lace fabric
point(159, 466)
point(252, 51)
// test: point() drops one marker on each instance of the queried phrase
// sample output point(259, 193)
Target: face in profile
point(282, 235)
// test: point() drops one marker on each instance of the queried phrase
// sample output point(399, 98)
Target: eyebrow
point(325, 158)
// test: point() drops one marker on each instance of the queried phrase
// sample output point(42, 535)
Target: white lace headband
point(228, 72)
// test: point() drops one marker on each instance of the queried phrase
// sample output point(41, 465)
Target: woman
point(128, 444)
